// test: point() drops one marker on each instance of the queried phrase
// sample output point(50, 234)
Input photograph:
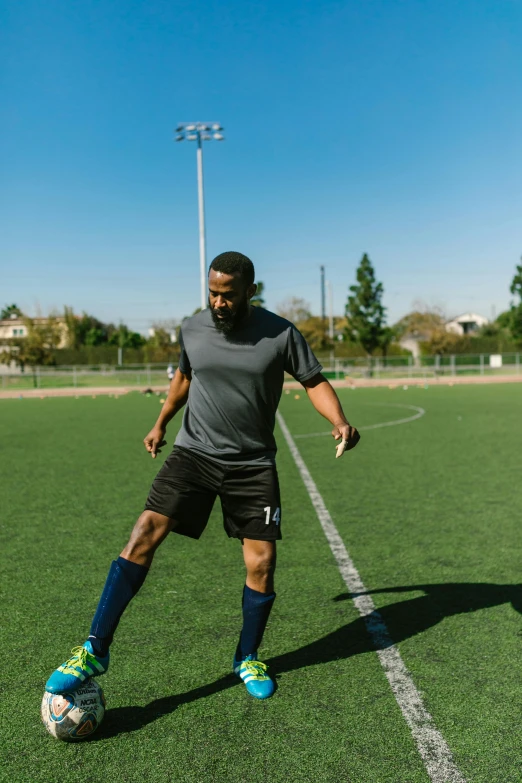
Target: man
point(230, 380)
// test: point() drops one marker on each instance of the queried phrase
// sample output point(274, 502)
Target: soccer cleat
point(253, 673)
point(82, 665)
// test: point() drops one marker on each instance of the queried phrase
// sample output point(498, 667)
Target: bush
point(108, 354)
point(474, 345)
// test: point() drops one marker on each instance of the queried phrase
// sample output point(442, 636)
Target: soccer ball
point(74, 716)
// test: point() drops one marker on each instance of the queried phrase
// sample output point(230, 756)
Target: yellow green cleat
point(81, 666)
point(253, 673)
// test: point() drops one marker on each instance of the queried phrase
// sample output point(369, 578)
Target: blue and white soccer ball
point(74, 716)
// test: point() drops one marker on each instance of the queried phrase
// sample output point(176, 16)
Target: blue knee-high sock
point(123, 582)
point(256, 610)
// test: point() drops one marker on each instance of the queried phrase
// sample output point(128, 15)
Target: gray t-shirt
point(237, 381)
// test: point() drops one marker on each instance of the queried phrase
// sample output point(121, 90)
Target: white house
point(466, 323)
point(14, 327)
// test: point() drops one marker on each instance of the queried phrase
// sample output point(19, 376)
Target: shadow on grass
point(403, 620)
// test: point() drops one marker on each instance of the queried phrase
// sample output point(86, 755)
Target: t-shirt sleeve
point(300, 360)
point(184, 362)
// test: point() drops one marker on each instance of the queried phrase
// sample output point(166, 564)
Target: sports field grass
point(430, 513)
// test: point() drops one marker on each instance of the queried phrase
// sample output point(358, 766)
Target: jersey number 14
point(277, 515)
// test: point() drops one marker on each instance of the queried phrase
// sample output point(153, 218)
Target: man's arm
point(324, 399)
point(176, 399)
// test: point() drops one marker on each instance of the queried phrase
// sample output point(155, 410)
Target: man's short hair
point(232, 263)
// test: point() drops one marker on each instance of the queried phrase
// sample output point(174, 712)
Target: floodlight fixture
point(200, 132)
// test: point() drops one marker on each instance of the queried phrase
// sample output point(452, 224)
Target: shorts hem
point(149, 507)
point(196, 535)
point(241, 536)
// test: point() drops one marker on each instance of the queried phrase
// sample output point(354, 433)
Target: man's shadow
point(403, 619)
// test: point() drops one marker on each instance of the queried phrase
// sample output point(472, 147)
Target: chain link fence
point(422, 367)
point(156, 375)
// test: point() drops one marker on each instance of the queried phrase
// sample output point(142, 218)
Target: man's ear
point(251, 290)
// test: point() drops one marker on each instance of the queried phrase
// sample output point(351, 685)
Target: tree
point(124, 338)
point(491, 329)
point(516, 283)
point(364, 309)
point(504, 319)
point(11, 311)
point(442, 342)
point(420, 323)
point(161, 338)
point(387, 338)
point(315, 332)
point(71, 322)
point(85, 329)
point(515, 321)
point(164, 333)
point(257, 300)
point(37, 348)
point(294, 309)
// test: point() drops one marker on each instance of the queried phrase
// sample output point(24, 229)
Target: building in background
point(466, 324)
point(15, 327)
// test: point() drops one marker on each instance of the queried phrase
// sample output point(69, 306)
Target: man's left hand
point(350, 438)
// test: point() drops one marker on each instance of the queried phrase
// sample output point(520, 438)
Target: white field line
point(393, 423)
point(430, 743)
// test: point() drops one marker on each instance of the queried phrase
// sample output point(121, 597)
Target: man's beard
point(229, 321)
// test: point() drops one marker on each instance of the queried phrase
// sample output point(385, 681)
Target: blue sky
point(391, 127)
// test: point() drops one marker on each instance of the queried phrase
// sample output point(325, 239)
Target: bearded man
point(230, 380)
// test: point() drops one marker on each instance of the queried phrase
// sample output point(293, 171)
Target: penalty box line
point(393, 423)
point(431, 745)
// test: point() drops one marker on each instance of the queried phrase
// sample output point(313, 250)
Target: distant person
point(170, 372)
point(230, 380)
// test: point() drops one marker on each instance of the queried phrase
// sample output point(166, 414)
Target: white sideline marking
point(430, 743)
point(393, 423)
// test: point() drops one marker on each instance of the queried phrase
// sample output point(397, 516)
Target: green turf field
point(430, 513)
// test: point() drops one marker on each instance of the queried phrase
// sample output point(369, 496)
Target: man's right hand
point(154, 441)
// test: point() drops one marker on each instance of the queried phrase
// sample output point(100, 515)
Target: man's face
point(228, 299)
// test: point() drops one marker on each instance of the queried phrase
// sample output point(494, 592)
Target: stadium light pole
point(200, 132)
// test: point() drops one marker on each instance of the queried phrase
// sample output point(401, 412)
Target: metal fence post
point(148, 375)
point(453, 368)
point(409, 366)
point(75, 382)
point(517, 362)
point(482, 364)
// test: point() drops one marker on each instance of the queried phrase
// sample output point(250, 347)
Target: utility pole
point(330, 311)
point(200, 132)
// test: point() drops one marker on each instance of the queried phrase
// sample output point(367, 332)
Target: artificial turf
point(430, 514)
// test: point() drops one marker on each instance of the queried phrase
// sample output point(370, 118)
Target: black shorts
point(187, 486)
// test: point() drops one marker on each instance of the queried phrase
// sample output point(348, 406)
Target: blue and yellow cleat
point(253, 673)
point(82, 665)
